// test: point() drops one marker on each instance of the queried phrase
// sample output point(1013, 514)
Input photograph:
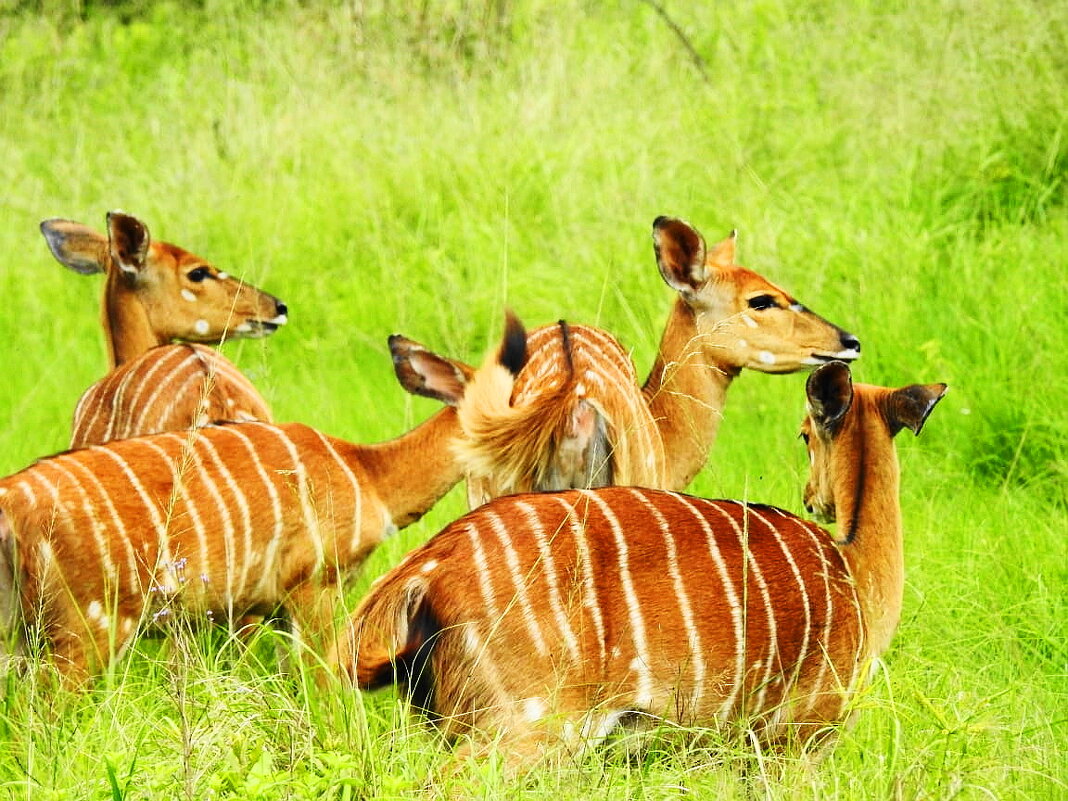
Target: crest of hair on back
point(519, 447)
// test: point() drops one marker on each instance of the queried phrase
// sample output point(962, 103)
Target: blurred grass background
point(415, 167)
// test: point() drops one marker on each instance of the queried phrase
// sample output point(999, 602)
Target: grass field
point(418, 167)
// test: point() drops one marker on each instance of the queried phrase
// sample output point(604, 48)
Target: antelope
point(155, 293)
point(575, 416)
point(220, 521)
point(557, 617)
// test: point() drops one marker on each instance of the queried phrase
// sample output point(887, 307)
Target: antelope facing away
point(554, 617)
point(222, 521)
point(155, 293)
point(575, 416)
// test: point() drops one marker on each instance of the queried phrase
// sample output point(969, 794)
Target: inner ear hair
point(830, 394)
point(129, 240)
point(680, 253)
point(909, 407)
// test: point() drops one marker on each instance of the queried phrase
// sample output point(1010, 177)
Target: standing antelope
point(155, 293)
point(222, 520)
point(558, 615)
point(575, 416)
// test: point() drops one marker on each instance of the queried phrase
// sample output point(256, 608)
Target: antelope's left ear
point(423, 372)
point(910, 406)
point(128, 239)
point(830, 394)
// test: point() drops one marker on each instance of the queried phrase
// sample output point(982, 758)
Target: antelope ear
point(830, 394)
point(680, 254)
point(722, 253)
point(423, 372)
point(910, 406)
point(77, 247)
point(128, 240)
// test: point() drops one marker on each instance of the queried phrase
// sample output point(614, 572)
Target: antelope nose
point(280, 308)
point(850, 342)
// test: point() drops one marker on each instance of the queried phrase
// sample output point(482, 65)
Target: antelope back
point(224, 519)
point(156, 292)
point(743, 320)
point(580, 607)
point(169, 388)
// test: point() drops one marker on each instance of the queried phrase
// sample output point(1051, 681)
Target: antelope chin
point(257, 329)
point(822, 358)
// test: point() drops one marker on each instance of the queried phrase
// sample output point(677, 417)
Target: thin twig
point(698, 62)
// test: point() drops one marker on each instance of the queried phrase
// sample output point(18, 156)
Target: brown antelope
point(575, 416)
point(555, 616)
point(155, 293)
point(223, 520)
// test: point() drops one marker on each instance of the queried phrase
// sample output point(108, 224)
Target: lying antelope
point(557, 616)
point(155, 293)
point(575, 416)
point(223, 521)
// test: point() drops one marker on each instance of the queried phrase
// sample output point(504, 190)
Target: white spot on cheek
point(749, 321)
point(188, 295)
point(222, 276)
point(766, 356)
point(201, 327)
point(429, 566)
point(534, 709)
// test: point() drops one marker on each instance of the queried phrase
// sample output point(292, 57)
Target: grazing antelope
point(223, 520)
point(575, 416)
point(155, 293)
point(559, 615)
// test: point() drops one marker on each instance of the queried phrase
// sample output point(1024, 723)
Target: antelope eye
point(199, 274)
point(761, 302)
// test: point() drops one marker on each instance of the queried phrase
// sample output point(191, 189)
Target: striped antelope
point(155, 293)
point(223, 520)
point(557, 616)
point(575, 416)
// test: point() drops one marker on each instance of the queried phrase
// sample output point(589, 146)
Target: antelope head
point(156, 292)
point(845, 426)
point(743, 320)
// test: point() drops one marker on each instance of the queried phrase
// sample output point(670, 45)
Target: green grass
point(416, 168)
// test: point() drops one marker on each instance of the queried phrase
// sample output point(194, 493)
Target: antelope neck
point(866, 481)
point(412, 472)
point(686, 391)
point(126, 326)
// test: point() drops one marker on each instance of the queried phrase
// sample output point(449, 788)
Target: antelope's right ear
point(77, 247)
point(423, 372)
point(830, 394)
point(680, 254)
point(910, 406)
point(128, 240)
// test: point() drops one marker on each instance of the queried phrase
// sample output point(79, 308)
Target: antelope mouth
point(257, 329)
point(849, 355)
